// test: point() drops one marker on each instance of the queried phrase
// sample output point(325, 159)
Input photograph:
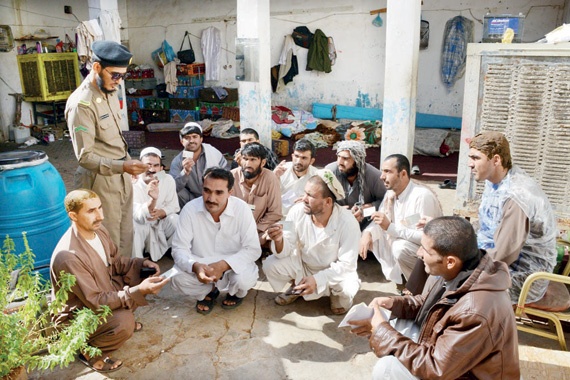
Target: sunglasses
point(116, 76)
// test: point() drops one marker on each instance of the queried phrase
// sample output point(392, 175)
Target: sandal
point(208, 301)
point(138, 326)
point(235, 299)
point(335, 306)
point(447, 184)
point(108, 364)
point(287, 298)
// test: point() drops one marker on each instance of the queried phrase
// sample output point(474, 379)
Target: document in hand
point(362, 311)
point(170, 273)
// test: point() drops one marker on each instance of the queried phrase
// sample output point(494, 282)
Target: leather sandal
point(287, 298)
point(208, 301)
point(236, 301)
point(108, 364)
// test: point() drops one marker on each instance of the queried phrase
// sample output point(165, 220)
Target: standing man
point(463, 326)
point(249, 135)
point(155, 207)
point(295, 174)
point(258, 187)
point(215, 245)
point(361, 181)
point(517, 224)
point(94, 121)
point(318, 255)
point(103, 277)
point(189, 166)
point(393, 237)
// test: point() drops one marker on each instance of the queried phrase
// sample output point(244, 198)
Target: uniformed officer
point(94, 121)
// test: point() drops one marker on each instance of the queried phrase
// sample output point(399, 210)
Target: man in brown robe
point(103, 277)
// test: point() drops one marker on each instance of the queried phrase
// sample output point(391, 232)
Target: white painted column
point(95, 7)
point(255, 97)
point(401, 77)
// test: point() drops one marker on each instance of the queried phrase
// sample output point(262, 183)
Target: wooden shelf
point(32, 38)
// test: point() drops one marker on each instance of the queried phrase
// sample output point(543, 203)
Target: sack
point(163, 54)
point(186, 56)
point(302, 36)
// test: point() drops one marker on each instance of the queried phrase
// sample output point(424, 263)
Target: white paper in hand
point(170, 273)
point(368, 211)
point(360, 311)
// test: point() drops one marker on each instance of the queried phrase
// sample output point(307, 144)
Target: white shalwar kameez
point(199, 238)
point(293, 187)
point(396, 248)
point(329, 255)
point(154, 236)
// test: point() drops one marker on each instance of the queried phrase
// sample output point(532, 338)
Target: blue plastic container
point(31, 201)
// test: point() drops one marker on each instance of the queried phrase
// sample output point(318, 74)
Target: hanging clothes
point(170, 77)
point(318, 56)
point(211, 49)
point(110, 22)
point(87, 33)
point(288, 66)
point(458, 33)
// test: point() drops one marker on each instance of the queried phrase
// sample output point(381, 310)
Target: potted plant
point(28, 337)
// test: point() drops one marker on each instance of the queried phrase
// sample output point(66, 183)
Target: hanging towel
point(458, 33)
point(170, 76)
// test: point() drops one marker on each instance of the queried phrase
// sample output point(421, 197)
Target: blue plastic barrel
point(31, 201)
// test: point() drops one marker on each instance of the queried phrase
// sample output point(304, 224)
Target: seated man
point(295, 174)
point(465, 321)
point(249, 135)
point(318, 256)
point(393, 237)
point(361, 181)
point(215, 245)
point(517, 224)
point(103, 277)
point(155, 207)
point(189, 166)
point(258, 187)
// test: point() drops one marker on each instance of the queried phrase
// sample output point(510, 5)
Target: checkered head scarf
point(358, 153)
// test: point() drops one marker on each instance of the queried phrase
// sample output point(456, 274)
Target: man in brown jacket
point(462, 326)
point(103, 277)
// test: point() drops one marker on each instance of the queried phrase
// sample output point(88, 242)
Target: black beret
point(111, 54)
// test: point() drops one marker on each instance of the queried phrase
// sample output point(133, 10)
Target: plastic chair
point(555, 317)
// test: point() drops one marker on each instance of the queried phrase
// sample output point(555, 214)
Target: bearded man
point(360, 181)
point(258, 187)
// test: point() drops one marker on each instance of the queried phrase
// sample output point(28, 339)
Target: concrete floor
point(260, 340)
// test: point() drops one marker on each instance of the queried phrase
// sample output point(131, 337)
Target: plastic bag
point(163, 54)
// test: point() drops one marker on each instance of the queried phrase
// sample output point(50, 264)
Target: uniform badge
point(98, 100)
point(102, 117)
point(85, 103)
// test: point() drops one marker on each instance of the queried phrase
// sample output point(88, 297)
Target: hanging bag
point(186, 56)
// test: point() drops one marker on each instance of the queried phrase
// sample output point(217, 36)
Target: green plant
point(28, 337)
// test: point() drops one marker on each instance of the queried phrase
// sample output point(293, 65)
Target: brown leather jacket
point(469, 333)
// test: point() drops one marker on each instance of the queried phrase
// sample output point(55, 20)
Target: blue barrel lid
point(19, 157)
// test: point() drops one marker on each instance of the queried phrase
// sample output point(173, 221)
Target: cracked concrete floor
point(260, 340)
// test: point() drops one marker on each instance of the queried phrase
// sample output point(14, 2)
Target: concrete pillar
point(401, 77)
point(255, 96)
point(95, 8)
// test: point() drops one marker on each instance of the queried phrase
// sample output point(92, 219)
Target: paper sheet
point(170, 273)
point(362, 311)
